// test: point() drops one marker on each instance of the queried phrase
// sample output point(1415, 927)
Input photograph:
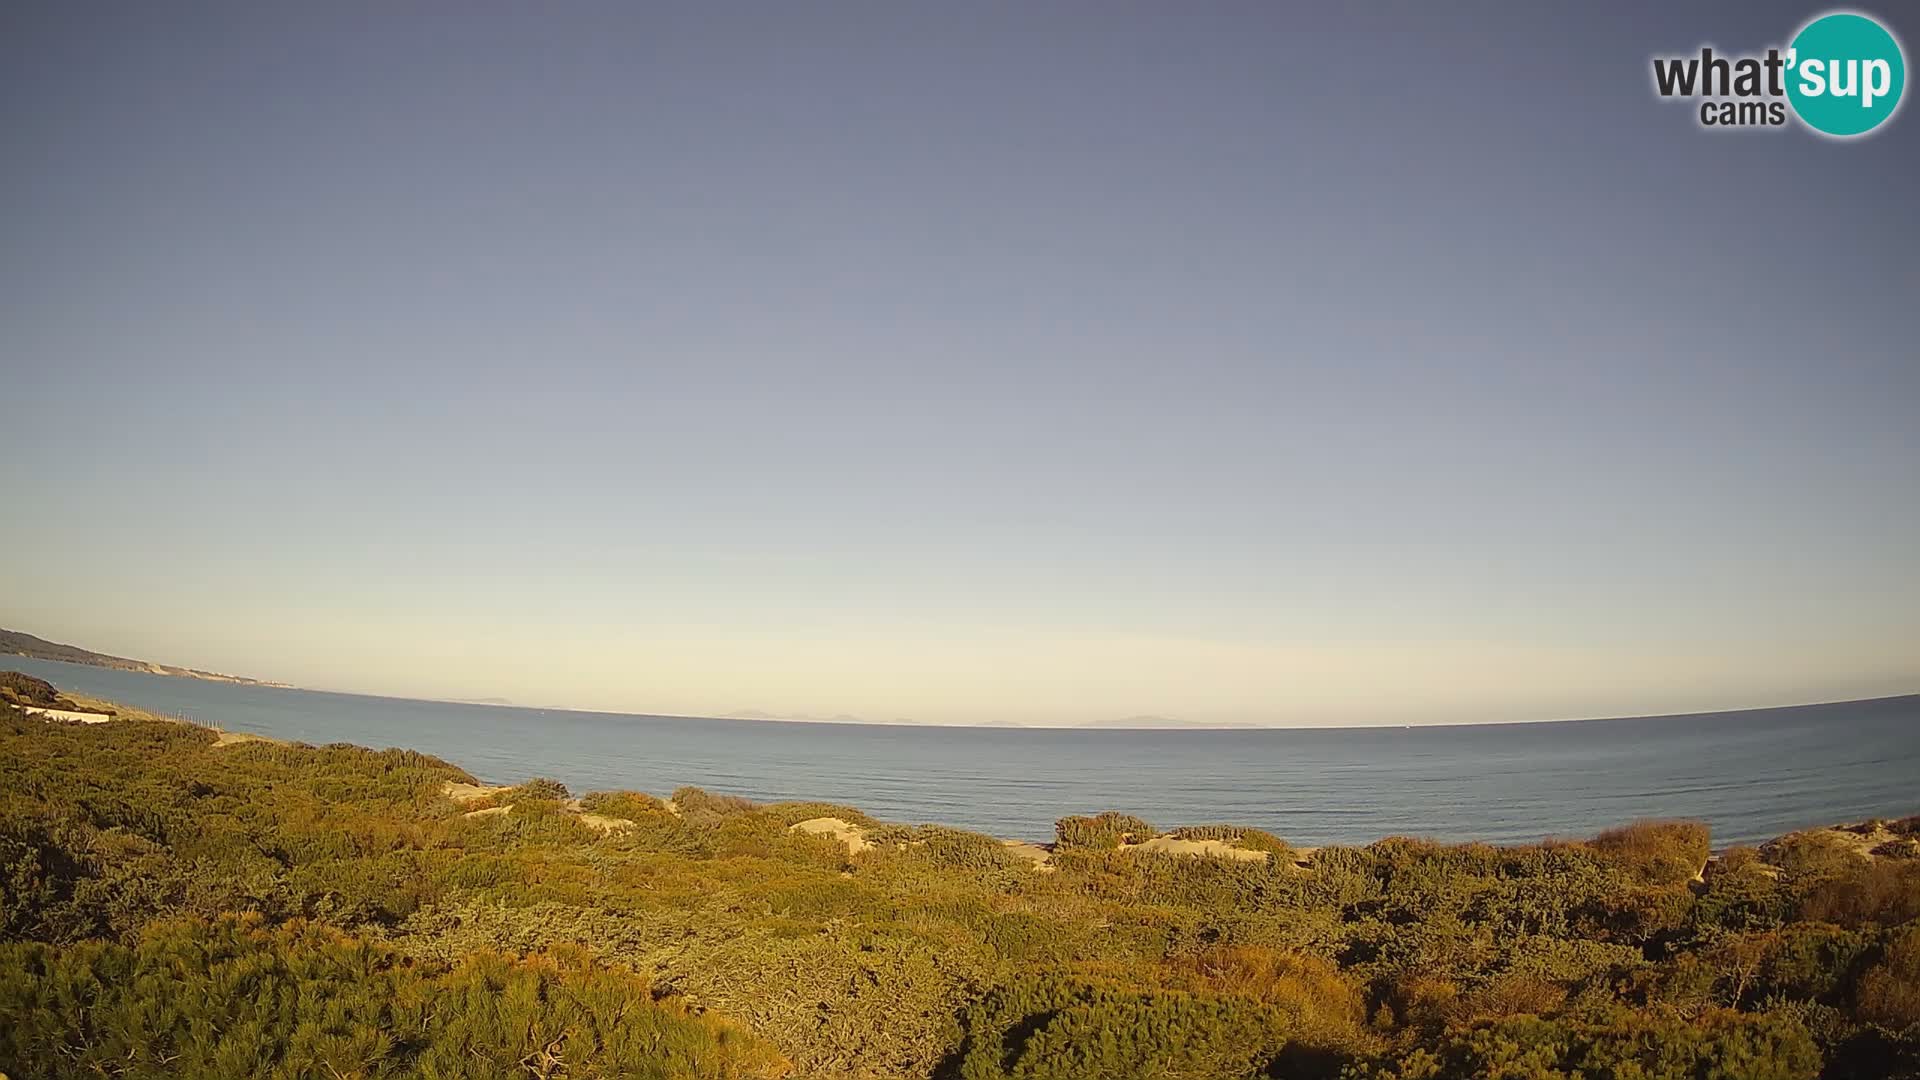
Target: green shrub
point(1812, 854)
point(1109, 829)
point(1660, 852)
point(792, 813)
point(1320, 1002)
point(631, 805)
point(1043, 1029)
point(1616, 1045)
point(538, 789)
point(19, 688)
point(1743, 893)
point(1237, 835)
point(1261, 840)
point(1207, 832)
point(957, 849)
point(1810, 962)
point(1881, 891)
point(232, 999)
point(1889, 993)
point(705, 808)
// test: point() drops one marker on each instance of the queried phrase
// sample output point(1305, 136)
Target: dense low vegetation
point(169, 907)
point(27, 692)
point(233, 998)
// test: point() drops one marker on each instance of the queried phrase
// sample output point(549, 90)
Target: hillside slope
point(18, 643)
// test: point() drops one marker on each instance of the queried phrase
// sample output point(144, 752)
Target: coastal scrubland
point(174, 905)
point(27, 692)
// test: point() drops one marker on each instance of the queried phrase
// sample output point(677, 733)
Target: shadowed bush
point(1039, 1029)
point(233, 1000)
point(18, 688)
point(1882, 891)
point(1615, 1045)
point(1889, 992)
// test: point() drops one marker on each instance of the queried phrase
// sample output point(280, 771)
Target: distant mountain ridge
point(18, 643)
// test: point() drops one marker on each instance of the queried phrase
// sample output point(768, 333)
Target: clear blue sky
point(1048, 363)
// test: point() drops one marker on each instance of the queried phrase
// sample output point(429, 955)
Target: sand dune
point(850, 834)
point(472, 793)
point(1218, 849)
point(600, 821)
point(1040, 856)
point(465, 793)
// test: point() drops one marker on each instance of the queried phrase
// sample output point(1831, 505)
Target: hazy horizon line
point(1119, 724)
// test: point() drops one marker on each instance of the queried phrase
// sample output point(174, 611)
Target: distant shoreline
point(1123, 726)
point(1870, 839)
point(1321, 785)
point(18, 643)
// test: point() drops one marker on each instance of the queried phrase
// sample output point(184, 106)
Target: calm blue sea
point(1752, 774)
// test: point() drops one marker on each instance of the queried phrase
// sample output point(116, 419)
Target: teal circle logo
point(1845, 74)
